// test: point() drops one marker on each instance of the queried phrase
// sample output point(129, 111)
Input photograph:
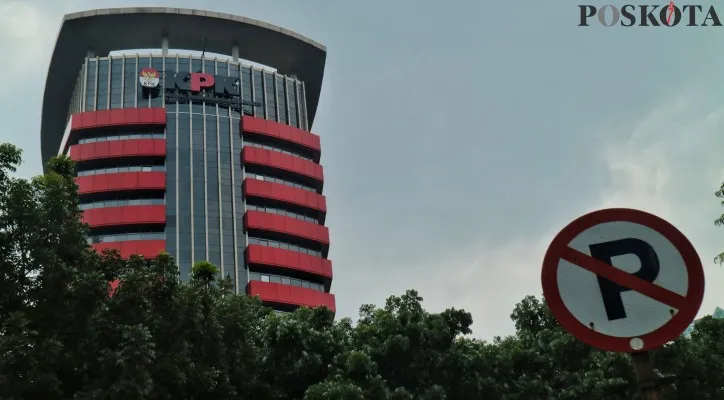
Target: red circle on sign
point(666, 333)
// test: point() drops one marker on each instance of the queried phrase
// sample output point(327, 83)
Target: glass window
point(209, 67)
point(115, 169)
point(90, 93)
point(196, 65)
point(150, 235)
point(222, 68)
point(302, 107)
point(143, 62)
point(285, 246)
point(103, 74)
point(170, 64)
point(292, 104)
point(184, 64)
point(116, 82)
point(269, 178)
point(131, 135)
point(157, 94)
point(270, 99)
point(246, 92)
point(184, 193)
point(130, 82)
point(250, 140)
point(281, 99)
point(258, 94)
point(265, 278)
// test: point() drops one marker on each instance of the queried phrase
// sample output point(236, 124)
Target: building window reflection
point(285, 280)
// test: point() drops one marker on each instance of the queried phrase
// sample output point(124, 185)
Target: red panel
point(286, 225)
point(276, 130)
point(121, 181)
point(275, 159)
point(147, 248)
point(118, 148)
point(117, 117)
point(264, 255)
point(125, 215)
point(287, 294)
point(285, 193)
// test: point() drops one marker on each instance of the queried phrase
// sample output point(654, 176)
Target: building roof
point(105, 30)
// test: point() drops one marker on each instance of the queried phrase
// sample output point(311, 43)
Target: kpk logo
point(196, 87)
point(195, 82)
point(148, 77)
point(629, 15)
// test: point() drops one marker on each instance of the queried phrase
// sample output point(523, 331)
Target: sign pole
point(611, 307)
point(646, 377)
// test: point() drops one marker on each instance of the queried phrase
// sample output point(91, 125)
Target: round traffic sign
point(622, 280)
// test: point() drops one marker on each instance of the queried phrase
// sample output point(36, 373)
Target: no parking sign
point(623, 280)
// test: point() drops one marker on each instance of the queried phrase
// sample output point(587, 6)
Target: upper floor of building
point(87, 38)
point(188, 84)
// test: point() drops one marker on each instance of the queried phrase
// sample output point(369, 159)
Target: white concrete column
point(164, 45)
point(235, 53)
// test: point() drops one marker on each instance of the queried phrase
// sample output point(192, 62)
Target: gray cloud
point(459, 138)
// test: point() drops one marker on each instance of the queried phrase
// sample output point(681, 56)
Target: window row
point(133, 168)
point(121, 203)
point(112, 82)
point(121, 237)
point(256, 276)
point(281, 211)
point(285, 246)
point(272, 148)
point(283, 182)
point(125, 136)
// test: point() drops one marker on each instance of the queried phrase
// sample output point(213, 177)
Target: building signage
point(148, 77)
point(197, 86)
point(622, 280)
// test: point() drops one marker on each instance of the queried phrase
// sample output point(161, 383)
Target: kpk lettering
point(197, 82)
point(196, 86)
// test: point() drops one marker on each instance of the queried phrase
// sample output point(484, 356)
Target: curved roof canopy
point(106, 30)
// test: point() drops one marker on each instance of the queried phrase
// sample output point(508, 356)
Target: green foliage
point(63, 337)
point(203, 272)
point(719, 259)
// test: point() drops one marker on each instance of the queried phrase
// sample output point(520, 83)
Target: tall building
point(717, 314)
point(207, 157)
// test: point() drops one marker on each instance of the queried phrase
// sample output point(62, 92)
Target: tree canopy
point(66, 334)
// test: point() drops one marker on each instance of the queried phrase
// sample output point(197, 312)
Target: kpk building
point(207, 157)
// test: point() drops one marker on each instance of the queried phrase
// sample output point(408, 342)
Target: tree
point(66, 333)
point(719, 259)
point(44, 262)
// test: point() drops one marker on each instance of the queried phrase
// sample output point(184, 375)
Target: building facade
point(717, 314)
point(208, 158)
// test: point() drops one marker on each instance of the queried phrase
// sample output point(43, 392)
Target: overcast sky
point(459, 137)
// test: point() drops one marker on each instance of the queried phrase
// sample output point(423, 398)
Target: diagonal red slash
point(623, 278)
point(670, 14)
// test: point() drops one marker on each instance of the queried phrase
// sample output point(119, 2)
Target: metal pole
point(646, 377)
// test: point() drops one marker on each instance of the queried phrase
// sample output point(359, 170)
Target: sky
point(459, 137)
